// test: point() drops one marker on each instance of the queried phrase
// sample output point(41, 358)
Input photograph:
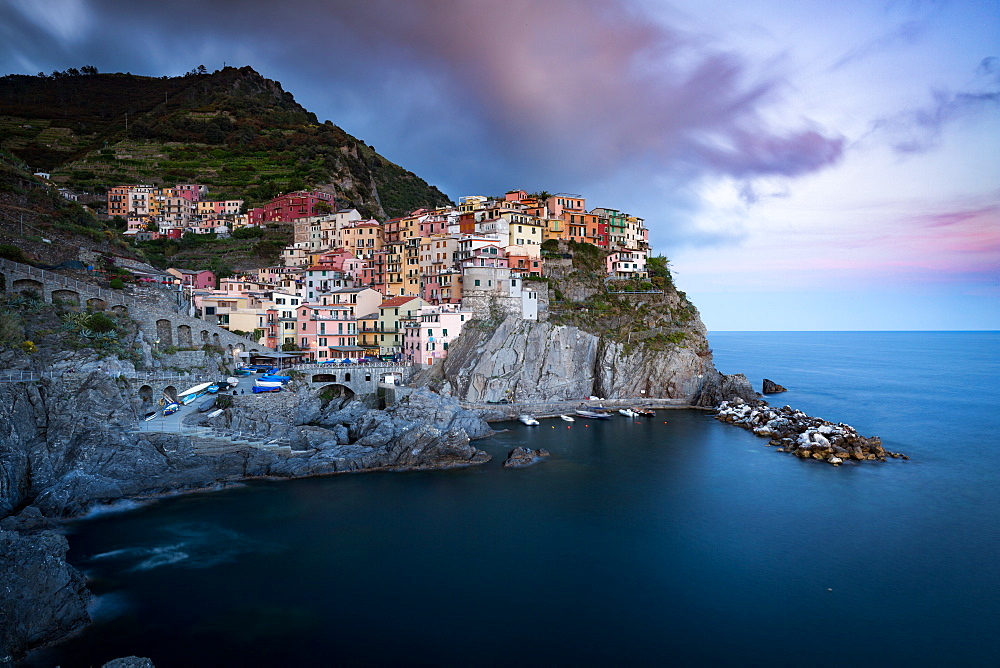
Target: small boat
point(594, 416)
point(207, 405)
point(232, 381)
point(643, 412)
point(216, 413)
point(242, 372)
point(171, 408)
point(149, 416)
point(190, 398)
point(567, 418)
point(212, 389)
point(528, 420)
point(627, 412)
point(257, 389)
point(197, 389)
point(275, 379)
point(267, 383)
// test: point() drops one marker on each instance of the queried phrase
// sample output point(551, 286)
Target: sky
point(804, 164)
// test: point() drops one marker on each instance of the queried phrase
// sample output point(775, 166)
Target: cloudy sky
point(804, 164)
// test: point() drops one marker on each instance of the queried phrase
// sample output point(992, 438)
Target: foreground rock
point(43, 599)
point(771, 387)
point(66, 446)
point(804, 436)
point(520, 457)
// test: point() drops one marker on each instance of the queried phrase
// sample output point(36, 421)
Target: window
point(444, 332)
point(477, 282)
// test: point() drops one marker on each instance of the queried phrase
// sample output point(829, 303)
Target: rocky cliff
point(69, 443)
point(612, 339)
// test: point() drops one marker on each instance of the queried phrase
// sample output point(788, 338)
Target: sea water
point(669, 540)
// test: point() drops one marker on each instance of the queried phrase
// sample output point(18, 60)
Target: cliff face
point(614, 339)
point(522, 360)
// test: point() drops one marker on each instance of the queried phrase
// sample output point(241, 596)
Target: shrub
point(29, 347)
point(99, 322)
point(12, 252)
point(117, 284)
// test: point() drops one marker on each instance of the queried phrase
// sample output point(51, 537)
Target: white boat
point(216, 413)
point(627, 412)
point(190, 398)
point(201, 387)
point(593, 415)
point(567, 418)
point(233, 381)
point(528, 420)
point(267, 383)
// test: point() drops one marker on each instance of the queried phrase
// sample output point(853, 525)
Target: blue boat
point(257, 389)
point(275, 379)
point(171, 408)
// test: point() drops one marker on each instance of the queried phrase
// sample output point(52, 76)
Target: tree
point(202, 70)
point(73, 72)
point(88, 69)
point(323, 208)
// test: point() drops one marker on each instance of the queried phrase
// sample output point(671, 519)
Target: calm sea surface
point(672, 540)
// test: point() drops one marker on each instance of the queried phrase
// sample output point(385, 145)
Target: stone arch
point(204, 336)
point(66, 296)
point(146, 394)
point(27, 285)
point(184, 336)
point(229, 350)
point(164, 332)
point(171, 392)
point(215, 339)
point(336, 391)
point(120, 310)
point(94, 303)
point(324, 378)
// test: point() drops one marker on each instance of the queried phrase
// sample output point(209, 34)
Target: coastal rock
point(520, 457)
point(524, 360)
point(718, 388)
point(43, 599)
point(804, 436)
point(771, 387)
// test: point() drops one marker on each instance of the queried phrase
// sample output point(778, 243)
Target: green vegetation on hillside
point(38, 224)
point(233, 130)
point(257, 248)
point(633, 312)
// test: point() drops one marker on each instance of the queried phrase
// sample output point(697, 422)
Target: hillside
point(233, 129)
point(38, 225)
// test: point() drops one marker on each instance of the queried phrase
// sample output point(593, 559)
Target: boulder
point(520, 457)
point(771, 387)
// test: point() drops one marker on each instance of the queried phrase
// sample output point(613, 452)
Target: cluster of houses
point(171, 212)
point(405, 288)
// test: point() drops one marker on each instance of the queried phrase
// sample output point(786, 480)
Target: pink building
point(199, 280)
point(426, 339)
point(193, 192)
point(327, 332)
point(292, 206)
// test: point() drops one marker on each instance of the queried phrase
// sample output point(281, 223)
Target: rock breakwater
point(807, 437)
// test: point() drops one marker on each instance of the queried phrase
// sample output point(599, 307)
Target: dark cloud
point(474, 96)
